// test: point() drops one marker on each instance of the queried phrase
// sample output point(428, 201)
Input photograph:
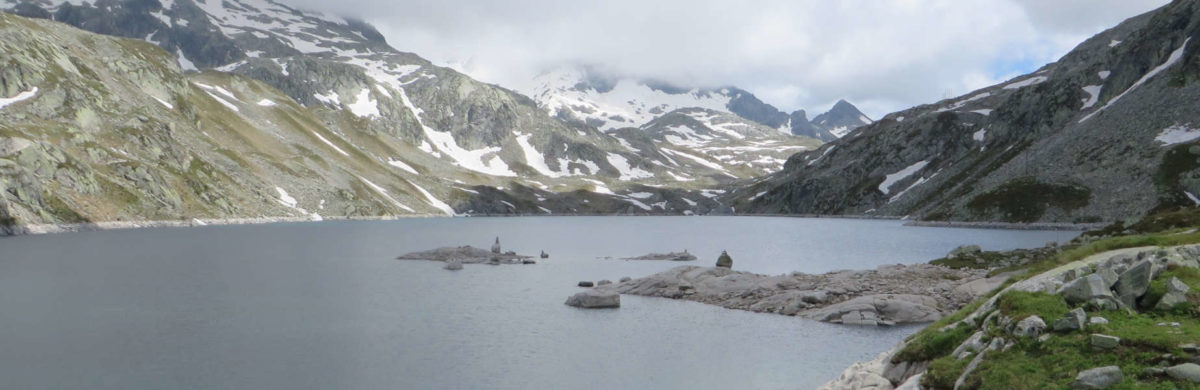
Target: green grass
point(1053, 364)
point(1158, 288)
point(932, 342)
point(943, 372)
point(1021, 304)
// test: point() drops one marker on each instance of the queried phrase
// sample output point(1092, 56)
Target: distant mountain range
point(580, 94)
point(294, 113)
point(249, 108)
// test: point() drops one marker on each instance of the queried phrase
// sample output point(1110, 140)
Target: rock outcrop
point(595, 299)
point(670, 256)
point(888, 295)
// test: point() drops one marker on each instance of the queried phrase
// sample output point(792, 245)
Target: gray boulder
point(454, 265)
point(1133, 283)
point(725, 261)
point(625, 279)
point(1170, 300)
point(1097, 321)
point(604, 282)
point(594, 299)
point(586, 284)
point(965, 250)
point(1099, 378)
point(1072, 321)
point(1085, 289)
point(1031, 326)
point(1188, 371)
point(1176, 285)
point(1103, 341)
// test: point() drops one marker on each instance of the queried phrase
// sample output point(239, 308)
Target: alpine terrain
point(1106, 133)
point(230, 109)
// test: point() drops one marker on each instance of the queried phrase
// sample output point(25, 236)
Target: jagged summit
point(841, 119)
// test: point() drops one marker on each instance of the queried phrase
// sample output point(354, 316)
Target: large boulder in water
point(453, 265)
point(593, 299)
point(725, 261)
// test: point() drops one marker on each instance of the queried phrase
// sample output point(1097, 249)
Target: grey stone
point(1097, 320)
point(593, 299)
point(1132, 284)
point(1031, 326)
point(1188, 371)
point(604, 282)
point(1084, 289)
point(1176, 285)
point(1171, 300)
point(586, 284)
point(454, 265)
point(1074, 320)
point(1103, 341)
point(625, 279)
point(1099, 378)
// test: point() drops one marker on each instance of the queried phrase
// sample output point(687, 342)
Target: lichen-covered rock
point(1031, 326)
point(1187, 372)
point(1098, 378)
point(1074, 320)
point(1133, 283)
point(1103, 341)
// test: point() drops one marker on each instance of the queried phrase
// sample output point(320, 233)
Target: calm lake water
point(325, 306)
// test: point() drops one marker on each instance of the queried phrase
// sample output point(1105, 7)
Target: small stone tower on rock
point(496, 246)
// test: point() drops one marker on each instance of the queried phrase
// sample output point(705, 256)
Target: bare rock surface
point(672, 256)
point(894, 294)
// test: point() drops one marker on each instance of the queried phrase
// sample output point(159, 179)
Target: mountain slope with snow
point(1105, 133)
point(583, 95)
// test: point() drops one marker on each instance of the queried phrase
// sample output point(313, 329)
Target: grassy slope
point(1054, 363)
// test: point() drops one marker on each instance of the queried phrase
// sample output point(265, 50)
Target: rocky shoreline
point(38, 229)
point(887, 295)
point(1011, 225)
point(1116, 269)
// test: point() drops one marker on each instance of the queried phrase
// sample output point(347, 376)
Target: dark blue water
point(324, 305)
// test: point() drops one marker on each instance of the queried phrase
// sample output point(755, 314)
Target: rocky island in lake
point(670, 256)
point(469, 255)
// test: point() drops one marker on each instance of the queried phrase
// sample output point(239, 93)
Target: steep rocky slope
point(1106, 133)
point(476, 133)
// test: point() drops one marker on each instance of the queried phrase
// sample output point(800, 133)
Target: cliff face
point(1106, 133)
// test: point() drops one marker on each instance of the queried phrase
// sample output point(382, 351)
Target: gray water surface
point(324, 305)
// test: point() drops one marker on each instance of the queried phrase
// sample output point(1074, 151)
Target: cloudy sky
point(883, 55)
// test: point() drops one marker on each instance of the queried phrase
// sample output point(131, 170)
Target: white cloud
point(881, 55)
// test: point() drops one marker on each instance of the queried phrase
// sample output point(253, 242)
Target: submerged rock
point(594, 299)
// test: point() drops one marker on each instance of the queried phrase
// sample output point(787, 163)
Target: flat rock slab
point(466, 255)
point(887, 295)
point(673, 256)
